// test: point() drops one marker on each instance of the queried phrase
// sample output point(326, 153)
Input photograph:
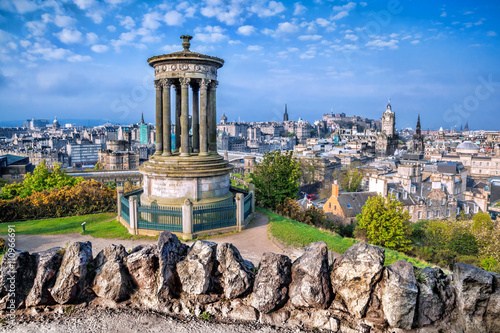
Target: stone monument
point(193, 170)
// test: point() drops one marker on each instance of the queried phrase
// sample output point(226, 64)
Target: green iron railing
point(215, 216)
point(157, 217)
point(125, 211)
point(247, 206)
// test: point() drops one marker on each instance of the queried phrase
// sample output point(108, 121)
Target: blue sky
point(86, 59)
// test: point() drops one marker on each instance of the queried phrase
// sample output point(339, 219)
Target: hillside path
point(251, 243)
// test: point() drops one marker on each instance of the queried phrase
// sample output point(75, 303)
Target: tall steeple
point(285, 115)
point(142, 117)
point(418, 130)
point(466, 127)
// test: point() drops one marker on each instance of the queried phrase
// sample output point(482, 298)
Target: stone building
point(119, 156)
point(418, 139)
point(346, 205)
point(387, 140)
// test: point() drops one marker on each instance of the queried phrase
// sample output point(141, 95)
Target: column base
point(185, 155)
point(203, 154)
point(157, 153)
point(165, 154)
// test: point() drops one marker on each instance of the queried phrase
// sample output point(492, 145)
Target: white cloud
point(68, 36)
point(246, 30)
point(340, 15)
point(346, 7)
point(170, 48)
point(25, 43)
point(111, 28)
point(381, 44)
point(351, 37)
point(225, 13)
point(299, 9)
point(92, 38)
point(127, 22)
point(492, 34)
point(287, 27)
point(210, 34)
point(254, 48)
point(115, 2)
point(96, 16)
point(12, 45)
point(415, 42)
point(49, 52)
point(272, 8)
point(443, 14)
point(309, 37)
point(63, 21)
point(469, 12)
point(19, 6)
point(189, 9)
point(36, 28)
point(173, 17)
point(84, 4)
point(151, 21)
point(79, 58)
point(322, 22)
point(99, 48)
point(363, 4)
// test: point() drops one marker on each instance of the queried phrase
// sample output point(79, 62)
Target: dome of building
point(467, 147)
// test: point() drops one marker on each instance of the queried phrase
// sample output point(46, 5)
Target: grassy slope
point(98, 225)
point(299, 234)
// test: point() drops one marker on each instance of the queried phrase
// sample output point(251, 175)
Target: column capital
point(204, 83)
point(214, 84)
point(158, 84)
point(166, 82)
point(185, 82)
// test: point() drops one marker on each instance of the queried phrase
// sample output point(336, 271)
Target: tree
point(42, 178)
point(276, 178)
point(386, 223)
point(349, 178)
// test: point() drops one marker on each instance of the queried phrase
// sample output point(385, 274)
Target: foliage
point(43, 178)
point(276, 178)
point(349, 178)
point(386, 223)
point(295, 233)
point(87, 197)
point(3, 182)
point(312, 215)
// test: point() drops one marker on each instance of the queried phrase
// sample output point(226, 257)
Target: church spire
point(418, 130)
point(142, 117)
point(285, 115)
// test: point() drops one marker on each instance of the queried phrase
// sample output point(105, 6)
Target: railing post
point(132, 214)
point(187, 219)
point(240, 210)
point(251, 189)
point(119, 194)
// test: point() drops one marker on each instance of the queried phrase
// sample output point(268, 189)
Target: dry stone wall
point(355, 294)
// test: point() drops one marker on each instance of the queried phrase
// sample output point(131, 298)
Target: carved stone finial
point(188, 202)
point(185, 42)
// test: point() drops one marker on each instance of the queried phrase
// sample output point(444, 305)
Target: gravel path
point(251, 243)
point(128, 321)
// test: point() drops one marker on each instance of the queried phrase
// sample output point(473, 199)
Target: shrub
point(87, 197)
point(464, 243)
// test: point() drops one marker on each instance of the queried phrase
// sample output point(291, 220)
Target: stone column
point(119, 194)
point(167, 119)
point(213, 114)
point(187, 219)
point(251, 190)
point(240, 211)
point(196, 119)
point(203, 117)
point(159, 118)
point(177, 117)
point(185, 117)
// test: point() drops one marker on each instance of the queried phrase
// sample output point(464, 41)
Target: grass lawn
point(98, 225)
point(298, 234)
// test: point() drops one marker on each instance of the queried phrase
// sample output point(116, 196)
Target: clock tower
point(389, 121)
point(387, 140)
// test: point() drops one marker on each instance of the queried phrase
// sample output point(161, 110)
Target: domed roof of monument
point(186, 54)
point(469, 145)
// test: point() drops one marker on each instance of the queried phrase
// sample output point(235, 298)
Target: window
point(473, 163)
point(437, 213)
point(480, 163)
point(329, 205)
point(476, 208)
point(447, 212)
point(428, 215)
point(430, 202)
point(335, 207)
point(419, 215)
point(443, 201)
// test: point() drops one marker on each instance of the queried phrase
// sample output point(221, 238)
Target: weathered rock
point(399, 294)
point(47, 263)
point(196, 271)
point(237, 276)
point(142, 266)
point(473, 288)
point(72, 276)
point(239, 311)
point(112, 279)
point(310, 287)
point(354, 275)
point(17, 273)
point(318, 319)
point(435, 298)
point(493, 310)
point(270, 290)
point(170, 252)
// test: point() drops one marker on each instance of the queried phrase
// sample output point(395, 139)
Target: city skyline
point(89, 59)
